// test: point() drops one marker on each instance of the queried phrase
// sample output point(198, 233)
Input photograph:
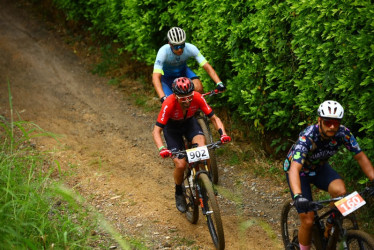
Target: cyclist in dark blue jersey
point(307, 163)
point(171, 63)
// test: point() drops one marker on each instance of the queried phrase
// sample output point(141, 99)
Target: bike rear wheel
point(359, 240)
point(192, 213)
point(213, 168)
point(213, 215)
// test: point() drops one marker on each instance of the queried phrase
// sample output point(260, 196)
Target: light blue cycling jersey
point(169, 64)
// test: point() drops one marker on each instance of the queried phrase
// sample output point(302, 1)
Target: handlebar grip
point(212, 92)
point(314, 206)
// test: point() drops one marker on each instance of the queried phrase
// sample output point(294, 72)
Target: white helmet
point(331, 109)
point(176, 36)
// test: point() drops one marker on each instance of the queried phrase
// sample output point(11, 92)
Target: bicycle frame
point(200, 191)
point(342, 235)
point(195, 167)
point(318, 229)
point(339, 233)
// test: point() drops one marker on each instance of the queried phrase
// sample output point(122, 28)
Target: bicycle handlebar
point(318, 205)
point(209, 146)
point(213, 92)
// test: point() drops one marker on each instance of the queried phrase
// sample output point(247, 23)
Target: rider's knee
point(307, 220)
point(199, 140)
point(180, 165)
point(337, 188)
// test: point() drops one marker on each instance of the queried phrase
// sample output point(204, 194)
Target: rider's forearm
point(156, 80)
point(211, 72)
point(365, 165)
point(217, 123)
point(294, 177)
point(157, 137)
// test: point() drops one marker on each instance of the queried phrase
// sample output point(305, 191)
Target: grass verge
point(36, 211)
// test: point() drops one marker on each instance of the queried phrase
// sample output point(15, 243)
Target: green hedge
point(279, 59)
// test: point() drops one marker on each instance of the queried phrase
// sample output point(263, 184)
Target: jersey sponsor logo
point(164, 112)
point(333, 143)
point(297, 156)
point(286, 165)
point(312, 173)
point(346, 138)
point(300, 148)
point(302, 138)
point(354, 143)
point(158, 62)
point(323, 155)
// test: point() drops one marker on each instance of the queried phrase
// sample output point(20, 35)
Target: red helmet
point(182, 86)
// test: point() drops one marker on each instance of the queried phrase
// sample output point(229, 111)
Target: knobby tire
point(192, 213)
point(214, 217)
point(356, 240)
point(289, 226)
point(213, 168)
point(359, 240)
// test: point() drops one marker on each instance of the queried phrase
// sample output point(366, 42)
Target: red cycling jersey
point(171, 109)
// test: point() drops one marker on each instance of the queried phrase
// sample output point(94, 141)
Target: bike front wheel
point(213, 168)
point(192, 213)
point(359, 240)
point(211, 211)
point(290, 224)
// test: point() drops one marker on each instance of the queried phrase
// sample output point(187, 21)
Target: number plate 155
point(197, 154)
point(350, 203)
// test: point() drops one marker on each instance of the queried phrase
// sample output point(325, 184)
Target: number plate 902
point(197, 154)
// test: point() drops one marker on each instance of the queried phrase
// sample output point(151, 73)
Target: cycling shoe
point(180, 202)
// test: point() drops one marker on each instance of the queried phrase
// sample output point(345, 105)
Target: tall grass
point(36, 212)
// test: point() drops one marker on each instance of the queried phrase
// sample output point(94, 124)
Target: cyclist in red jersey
point(176, 119)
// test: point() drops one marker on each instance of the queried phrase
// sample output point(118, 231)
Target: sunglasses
point(329, 122)
point(177, 47)
point(187, 98)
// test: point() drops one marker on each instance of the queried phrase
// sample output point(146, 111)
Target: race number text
point(197, 154)
point(350, 203)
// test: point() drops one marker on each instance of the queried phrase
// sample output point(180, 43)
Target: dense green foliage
point(279, 59)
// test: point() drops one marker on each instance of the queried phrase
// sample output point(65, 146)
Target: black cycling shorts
point(175, 130)
point(324, 175)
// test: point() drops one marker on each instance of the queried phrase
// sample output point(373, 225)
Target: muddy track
point(107, 148)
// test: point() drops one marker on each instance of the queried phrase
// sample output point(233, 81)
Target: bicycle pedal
point(209, 212)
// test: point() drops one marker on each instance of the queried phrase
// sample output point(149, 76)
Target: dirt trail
point(107, 143)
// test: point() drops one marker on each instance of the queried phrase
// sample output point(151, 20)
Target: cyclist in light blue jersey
point(171, 63)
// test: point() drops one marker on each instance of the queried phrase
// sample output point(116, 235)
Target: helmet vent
point(331, 109)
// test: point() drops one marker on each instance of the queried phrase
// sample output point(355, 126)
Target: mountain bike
point(204, 124)
point(335, 228)
point(198, 191)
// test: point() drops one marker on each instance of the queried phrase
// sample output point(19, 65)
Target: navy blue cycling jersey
point(312, 151)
